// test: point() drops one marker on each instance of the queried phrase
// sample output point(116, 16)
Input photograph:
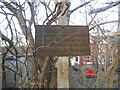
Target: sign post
point(62, 41)
point(63, 72)
point(63, 62)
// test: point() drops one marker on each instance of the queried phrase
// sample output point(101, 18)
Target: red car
point(90, 71)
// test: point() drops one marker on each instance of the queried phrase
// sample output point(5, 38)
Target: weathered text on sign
point(57, 40)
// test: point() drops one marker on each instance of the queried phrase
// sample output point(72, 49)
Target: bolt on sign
point(57, 40)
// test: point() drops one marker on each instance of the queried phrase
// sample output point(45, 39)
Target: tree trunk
point(53, 81)
point(112, 70)
point(119, 18)
point(31, 47)
point(119, 33)
point(4, 84)
point(43, 75)
point(0, 65)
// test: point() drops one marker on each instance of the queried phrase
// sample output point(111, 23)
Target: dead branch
point(7, 39)
point(19, 15)
point(98, 24)
point(98, 10)
point(10, 7)
point(44, 71)
point(32, 20)
point(9, 24)
point(13, 70)
point(71, 11)
point(59, 10)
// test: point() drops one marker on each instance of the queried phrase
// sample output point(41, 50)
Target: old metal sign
point(62, 40)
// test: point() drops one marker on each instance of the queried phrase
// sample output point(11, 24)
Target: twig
point(71, 11)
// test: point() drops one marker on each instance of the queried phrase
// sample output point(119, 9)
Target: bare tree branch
point(12, 70)
point(32, 20)
point(44, 71)
point(9, 24)
point(71, 11)
point(103, 24)
point(21, 20)
point(7, 39)
point(10, 7)
point(7, 13)
point(104, 8)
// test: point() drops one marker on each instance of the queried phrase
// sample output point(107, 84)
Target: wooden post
point(63, 72)
point(63, 62)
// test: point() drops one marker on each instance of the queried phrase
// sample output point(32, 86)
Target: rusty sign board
point(57, 40)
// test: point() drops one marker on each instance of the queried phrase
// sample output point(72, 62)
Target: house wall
point(89, 59)
point(96, 51)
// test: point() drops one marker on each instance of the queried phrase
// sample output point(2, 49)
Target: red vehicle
point(90, 71)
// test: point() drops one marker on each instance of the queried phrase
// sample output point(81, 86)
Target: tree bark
point(98, 10)
point(0, 66)
point(113, 68)
point(53, 81)
point(44, 71)
point(119, 33)
point(28, 35)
